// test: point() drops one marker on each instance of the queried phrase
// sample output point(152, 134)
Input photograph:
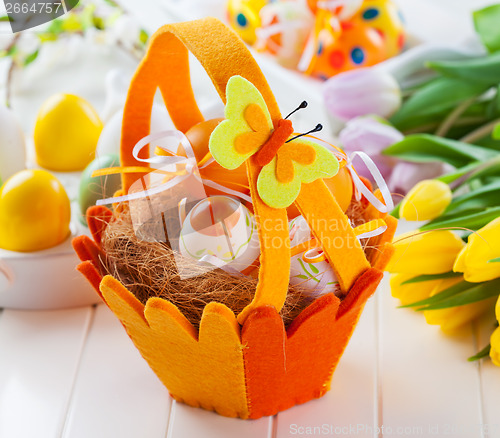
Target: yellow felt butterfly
point(248, 131)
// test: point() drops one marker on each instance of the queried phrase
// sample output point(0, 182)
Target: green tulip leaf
point(479, 70)
point(431, 277)
point(496, 132)
point(474, 221)
point(479, 292)
point(395, 212)
point(438, 96)
point(458, 173)
point(486, 23)
point(450, 292)
point(479, 199)
point(497, 260)
point(485, 352)
point(423, 148)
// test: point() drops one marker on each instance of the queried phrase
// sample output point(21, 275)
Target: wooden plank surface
point(428, 386)
point(39, 356)
point(115, 394)
point(349, 405)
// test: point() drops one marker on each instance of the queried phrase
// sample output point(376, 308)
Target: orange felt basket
point(245, 365)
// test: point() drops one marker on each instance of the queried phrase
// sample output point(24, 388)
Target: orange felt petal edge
point(98, 218)
point(204, 370)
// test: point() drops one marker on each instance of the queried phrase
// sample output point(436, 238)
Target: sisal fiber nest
point(151, 269)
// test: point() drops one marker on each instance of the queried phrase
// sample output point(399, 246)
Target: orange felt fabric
point(350, 311)
point(288, 368)
point(360, 292)
point(86, 249)
point(90, 272)
point(166, 65)
point(377, 244)
point(275, 258)
point(98, 218)
point(271, 146)
point(386, 251)
point(206, 372)
point(331, 228)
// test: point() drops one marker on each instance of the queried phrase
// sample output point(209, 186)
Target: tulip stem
point(480, 132)
point(474, 172)
point(464, 121)
point(450, 120)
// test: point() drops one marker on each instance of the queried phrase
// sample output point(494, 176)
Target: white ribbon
point(219, 263)
point(377, 232)
point(169, 164)
point(361, 189)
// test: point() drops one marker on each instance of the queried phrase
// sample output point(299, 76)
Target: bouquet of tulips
point(450, 267)
point(440, 146)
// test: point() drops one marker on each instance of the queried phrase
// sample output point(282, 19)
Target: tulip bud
point(432, 252)
point(452, 318)
point(372, 136)
point(474, 259)
point(360, 92)
point(495, 347)
point(406, 175)
point(426, 201)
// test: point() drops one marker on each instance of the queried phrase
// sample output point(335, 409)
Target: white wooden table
point(75, 373)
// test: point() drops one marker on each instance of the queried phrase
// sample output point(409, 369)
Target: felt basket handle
point(223, 55)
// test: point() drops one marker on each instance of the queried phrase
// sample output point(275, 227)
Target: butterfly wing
point(247, 126)
point(281, 192)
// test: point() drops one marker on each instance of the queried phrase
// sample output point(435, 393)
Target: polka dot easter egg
point(373, 34)
point(244, 17)
point(284, 30)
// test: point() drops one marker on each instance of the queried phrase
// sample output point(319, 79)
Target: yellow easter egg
point(66, 133)
point(34, 212)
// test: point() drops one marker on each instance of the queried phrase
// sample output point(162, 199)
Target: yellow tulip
point(425, 201)
point(453, 318)
point(481, 247)
point(432, 252)
point(495, 339)
point(411, 292)
point(497, 310)
point(495, 347)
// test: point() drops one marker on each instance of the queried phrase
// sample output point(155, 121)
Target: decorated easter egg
point(236, 179)
point(244, 17)
point(66, 133)
point(283, 32)
point(99, 187)
point(34, 212)
point(309, 269)
point(371, 35)
point(220, 231)
point(344, 9)
point(12, 145)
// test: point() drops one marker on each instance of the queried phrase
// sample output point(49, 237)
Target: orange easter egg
point(199, 136)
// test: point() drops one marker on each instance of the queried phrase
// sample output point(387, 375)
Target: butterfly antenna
point(301, 106)
point(319, 127)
